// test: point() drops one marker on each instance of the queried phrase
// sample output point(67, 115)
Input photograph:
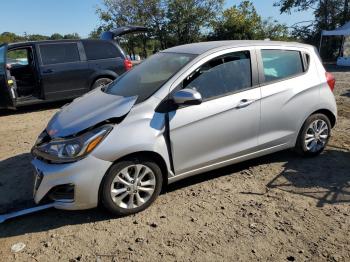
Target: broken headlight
point(71, 149)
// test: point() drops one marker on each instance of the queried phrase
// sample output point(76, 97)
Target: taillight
point(330, 80)
point(127, 64)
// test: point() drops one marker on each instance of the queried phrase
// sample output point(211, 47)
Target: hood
point(123, 30)
point(87, 111)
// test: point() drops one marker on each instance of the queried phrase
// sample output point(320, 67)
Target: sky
point(78, 16)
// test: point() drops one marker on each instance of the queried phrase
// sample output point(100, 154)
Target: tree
point(170, 22)
point(7, 37)
point(237, 22)
point(243, 22)
point(71, 36)
point(37, 37)
point(328, 15)
point(273, 30)
point(188, 17)
point(56, 36)
point(116, 13)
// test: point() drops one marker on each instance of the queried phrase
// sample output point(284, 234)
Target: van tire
point(101, 82)
point(106, 195)
point(301, 147)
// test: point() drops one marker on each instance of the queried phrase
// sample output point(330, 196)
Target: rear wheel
point(131, 186)
point(101, 82)
point(314, 135)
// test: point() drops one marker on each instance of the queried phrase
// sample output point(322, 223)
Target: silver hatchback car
point(183, 111)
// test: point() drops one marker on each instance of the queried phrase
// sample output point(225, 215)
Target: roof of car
point(19, 44)
point(202, 47)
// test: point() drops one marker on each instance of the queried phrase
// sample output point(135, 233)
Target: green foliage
point(14, 54)
point(56, 36)
point(237, 22)
point(273, 30)
point(186, 18)
point(243, 22)
point(71, 36)
point(328, 15)
point(7, 37)
point(171, 22)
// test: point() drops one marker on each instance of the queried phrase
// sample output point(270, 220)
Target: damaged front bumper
point(71, 186)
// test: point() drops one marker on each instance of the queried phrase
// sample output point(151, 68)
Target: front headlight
point(72, 149)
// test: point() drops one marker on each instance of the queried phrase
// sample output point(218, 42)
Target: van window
point(59, 53)
point(2, 59)
point(100, 50)
point(280, 64)
point(222, 75)
point(18, 57)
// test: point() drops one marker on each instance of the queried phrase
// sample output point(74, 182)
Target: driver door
point(7, 94)
point(225, 125)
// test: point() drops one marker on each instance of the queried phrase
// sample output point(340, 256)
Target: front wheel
point(130, 186)
point(314, 135)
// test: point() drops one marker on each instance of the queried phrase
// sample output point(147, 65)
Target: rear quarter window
point(100, 50)
point(281, 64)
point(59, 53)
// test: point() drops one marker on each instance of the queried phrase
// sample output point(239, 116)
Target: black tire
point(101, 82)
point(106, 197)
point(300, 146)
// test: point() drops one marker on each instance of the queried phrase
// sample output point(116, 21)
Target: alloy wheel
point(133, 186)
point(316, 135)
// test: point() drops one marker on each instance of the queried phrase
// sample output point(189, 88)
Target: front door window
point(222, 75)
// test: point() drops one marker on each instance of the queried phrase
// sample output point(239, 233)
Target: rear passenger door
point(63, 71)
point(289, 91)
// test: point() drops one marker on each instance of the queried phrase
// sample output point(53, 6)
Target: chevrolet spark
point(183, 111)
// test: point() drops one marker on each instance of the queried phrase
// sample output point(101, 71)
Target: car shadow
point(347, 93)
point(325, 178)
point(33, 108)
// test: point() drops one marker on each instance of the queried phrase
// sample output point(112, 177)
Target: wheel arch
point(104, 74)
point(156, 157)
point(332, 118)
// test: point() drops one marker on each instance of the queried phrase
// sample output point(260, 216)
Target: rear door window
point(59, 53)
point(281, 64)
point(100, 50)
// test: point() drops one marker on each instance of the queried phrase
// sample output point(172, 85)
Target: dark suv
point(42, 71)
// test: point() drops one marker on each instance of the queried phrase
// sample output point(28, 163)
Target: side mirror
point(187, 97)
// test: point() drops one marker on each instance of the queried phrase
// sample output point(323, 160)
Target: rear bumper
point(84, 175)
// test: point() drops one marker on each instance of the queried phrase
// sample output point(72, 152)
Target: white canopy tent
point(341, 31)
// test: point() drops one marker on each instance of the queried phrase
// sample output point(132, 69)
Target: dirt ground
point(276, 208)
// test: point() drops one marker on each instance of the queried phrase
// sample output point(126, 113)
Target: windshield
point(145, 79)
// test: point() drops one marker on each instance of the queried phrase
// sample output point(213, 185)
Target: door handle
point(244, 103)
point(48, 71)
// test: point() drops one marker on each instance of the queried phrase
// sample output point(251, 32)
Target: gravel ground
point(276, 208)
